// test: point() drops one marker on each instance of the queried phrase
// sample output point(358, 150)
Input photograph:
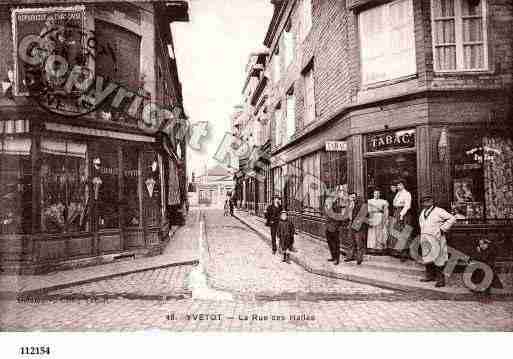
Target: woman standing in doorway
point(378, 224)
point(402, 218)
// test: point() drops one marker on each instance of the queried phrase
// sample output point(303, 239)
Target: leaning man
point(434, 223)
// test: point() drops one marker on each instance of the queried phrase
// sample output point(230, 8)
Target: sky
point(211, 52)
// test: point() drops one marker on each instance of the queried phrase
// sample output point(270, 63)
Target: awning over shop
point(15, 146)
point(14, 126)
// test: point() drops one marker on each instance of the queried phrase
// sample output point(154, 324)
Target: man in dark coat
point(357, 228)
point(335, 211)
point(272, 215)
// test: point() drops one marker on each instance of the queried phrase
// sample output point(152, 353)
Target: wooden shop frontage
point(74, 195)
point(458, 148)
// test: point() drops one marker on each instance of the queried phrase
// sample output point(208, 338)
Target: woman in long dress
point(378, 224)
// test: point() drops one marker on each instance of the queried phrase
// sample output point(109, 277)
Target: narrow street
point(269, 295)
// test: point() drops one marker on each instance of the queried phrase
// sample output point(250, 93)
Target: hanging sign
point(391, 140)
point(336, 146)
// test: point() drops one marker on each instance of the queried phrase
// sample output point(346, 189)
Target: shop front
point(75, 195)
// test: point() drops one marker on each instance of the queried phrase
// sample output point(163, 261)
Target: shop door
point(382, 171)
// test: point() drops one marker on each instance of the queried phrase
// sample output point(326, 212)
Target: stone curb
point(44, 290)
point(372, 281)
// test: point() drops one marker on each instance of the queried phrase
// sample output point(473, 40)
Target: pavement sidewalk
point(381, 271)
point(181, 250)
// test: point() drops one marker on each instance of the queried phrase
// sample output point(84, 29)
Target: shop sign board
point(336, 146)
point(58, 31)
point(391, 140)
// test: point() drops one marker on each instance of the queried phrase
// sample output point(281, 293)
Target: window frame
point(389, 77)
point(458, 35)
point(290, 119)
point(309, 108)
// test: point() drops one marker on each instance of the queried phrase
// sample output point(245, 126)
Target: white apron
point(432, 240)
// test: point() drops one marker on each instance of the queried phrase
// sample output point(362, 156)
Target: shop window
point(105, 184)
point(459, 35)
point(131, 187)
point(277, 181)
point(64, 190)
point(151, 173)
point(482, 168)
point(333, 172)
point(293, 187)
point(15, 185)
point(387, 42)
point(311, 183)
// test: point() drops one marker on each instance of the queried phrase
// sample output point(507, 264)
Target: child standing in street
point(285, 234)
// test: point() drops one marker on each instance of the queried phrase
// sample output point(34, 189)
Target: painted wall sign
point(336, 146)
point(39, 34)
point(391, 140)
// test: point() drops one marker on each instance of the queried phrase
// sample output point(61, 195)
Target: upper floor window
point(306, 18)
point(291, 114)
point(278, 119)
point(276, 67)
point(459, 35)
point(289, 45)
point(309, 112)
point(387, 42)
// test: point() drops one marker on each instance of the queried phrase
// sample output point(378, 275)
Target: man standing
point(272, 216)
point(335, 211)
point(434, 222)
point(357, 228)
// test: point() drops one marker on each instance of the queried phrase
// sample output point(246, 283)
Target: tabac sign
point(391, 140)
point(336, 146)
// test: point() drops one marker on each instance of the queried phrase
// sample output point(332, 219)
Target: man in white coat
point(434, 223)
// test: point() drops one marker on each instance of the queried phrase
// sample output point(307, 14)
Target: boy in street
point(285, 234)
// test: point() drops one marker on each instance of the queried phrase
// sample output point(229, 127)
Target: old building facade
point(87, 180)
point(362, 93)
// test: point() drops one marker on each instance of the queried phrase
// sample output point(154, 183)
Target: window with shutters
point(387, 42)
point(459, 35)
point(289, 45)
point(291, 114)
point(278, 119)
point(309, 86)
point(306, 18)
point(276, 67)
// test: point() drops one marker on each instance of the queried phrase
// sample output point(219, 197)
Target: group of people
point(372, 223)
point(367, 223)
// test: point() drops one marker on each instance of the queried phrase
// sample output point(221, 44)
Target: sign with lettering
point(391, 140)
point(336, 146)
point(50, 40)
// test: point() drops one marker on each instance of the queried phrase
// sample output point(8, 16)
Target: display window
point(64, 190)
point(482, 171)
point(311, 183)
point(105, 183)
point(333, 172)
point(293, 187)
point(131, 187)
point(151, 173)
point(15, 185)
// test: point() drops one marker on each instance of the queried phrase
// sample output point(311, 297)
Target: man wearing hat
point(272, 216)
point(434, 223)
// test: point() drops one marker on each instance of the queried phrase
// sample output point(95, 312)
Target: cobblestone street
point(286, 297)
